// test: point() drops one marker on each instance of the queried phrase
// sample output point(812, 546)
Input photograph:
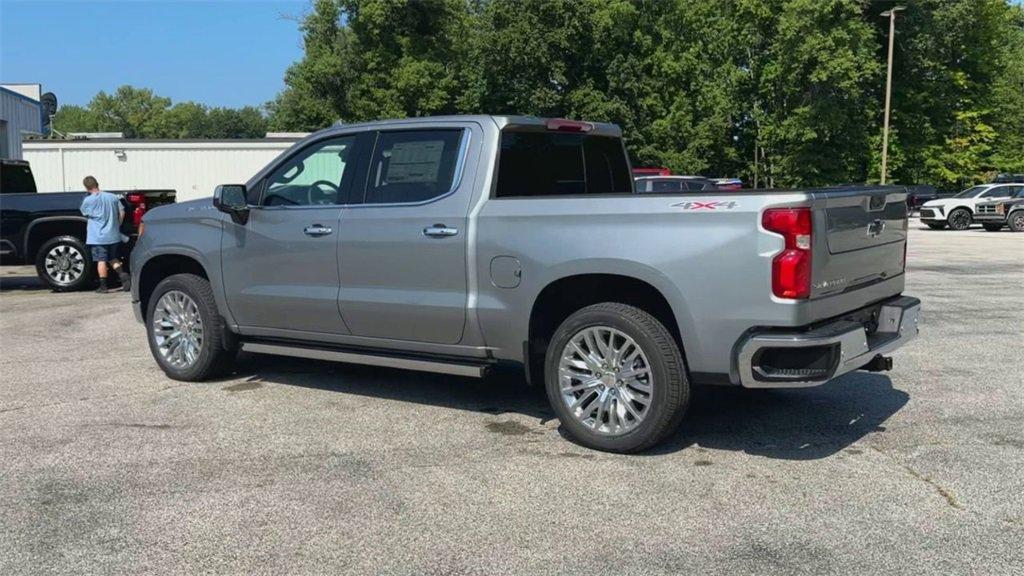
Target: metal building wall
point(192, 168)
point(18, 114)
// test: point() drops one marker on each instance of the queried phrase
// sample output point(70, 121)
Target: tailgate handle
point(876, 202)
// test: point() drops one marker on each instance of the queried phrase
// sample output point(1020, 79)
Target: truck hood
point(945, 202)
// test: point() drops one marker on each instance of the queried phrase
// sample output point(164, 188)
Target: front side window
point(560, 164)
point(312, 177)
point(971, 192)
point(413, 166)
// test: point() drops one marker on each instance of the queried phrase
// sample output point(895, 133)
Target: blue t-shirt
point(103, 211)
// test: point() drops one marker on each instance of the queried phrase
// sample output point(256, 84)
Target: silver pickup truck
point(454, 244)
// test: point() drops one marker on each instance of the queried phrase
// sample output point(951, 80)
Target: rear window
point(560, 164)
point(16, 178)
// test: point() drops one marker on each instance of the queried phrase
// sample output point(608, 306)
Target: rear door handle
point(440, 231)
point(318, 230)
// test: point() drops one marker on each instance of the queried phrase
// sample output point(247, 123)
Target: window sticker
point(414, 162)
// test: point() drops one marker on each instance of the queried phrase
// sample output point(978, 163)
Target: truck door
point(281, 267)
point(402, 252)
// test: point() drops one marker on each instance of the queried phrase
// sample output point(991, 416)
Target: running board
point(401, 362)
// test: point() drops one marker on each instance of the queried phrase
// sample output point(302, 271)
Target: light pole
point(888, 88)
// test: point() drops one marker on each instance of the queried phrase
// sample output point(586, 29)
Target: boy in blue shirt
point(104, 214)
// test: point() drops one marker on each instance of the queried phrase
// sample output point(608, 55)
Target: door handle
point(440, 231)
point(318, 230)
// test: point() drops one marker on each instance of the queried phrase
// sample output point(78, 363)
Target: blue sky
point(217, 52)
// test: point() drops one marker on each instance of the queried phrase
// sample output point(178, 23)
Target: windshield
point(971, 192)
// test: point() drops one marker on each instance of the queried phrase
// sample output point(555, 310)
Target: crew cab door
point(402, 251)
point(281, 267)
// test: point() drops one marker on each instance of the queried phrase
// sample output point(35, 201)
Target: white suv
point(958, 211)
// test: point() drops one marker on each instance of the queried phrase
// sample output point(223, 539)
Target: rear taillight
point(138, 203)
point(791, 268)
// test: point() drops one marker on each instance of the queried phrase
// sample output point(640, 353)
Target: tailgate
point(156, 198)
point(860, 235)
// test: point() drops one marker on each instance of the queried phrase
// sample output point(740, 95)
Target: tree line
point(139, 113)
point(787, 92)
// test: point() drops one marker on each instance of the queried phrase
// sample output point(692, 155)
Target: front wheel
point(992, 227)
point(186, 332)
point(960, 219)
point(615, 378)
point(1015, 222)
point(64, 264)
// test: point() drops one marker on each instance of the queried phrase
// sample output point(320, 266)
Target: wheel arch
point(42, 229)
point(160, 266)
point(562, 296)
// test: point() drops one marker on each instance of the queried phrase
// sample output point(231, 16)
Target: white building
point(190, 167)
point(20, 114)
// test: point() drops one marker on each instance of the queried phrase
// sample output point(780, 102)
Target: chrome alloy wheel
point(178, 329)
point(64, 264)
point(605, 380)
point(1018, 220)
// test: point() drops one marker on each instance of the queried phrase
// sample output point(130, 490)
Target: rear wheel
point(960, 219)
point(992, 227)
point(64, 264)
point(1015, 222)
point(186, 332)
point(616, 379)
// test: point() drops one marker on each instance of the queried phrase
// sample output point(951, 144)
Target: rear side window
point(413, 166)
point(560, 164)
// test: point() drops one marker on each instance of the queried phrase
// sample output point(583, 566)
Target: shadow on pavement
point(11, 282)
point(785, 424)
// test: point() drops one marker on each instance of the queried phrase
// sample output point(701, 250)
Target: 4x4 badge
point(714, 205)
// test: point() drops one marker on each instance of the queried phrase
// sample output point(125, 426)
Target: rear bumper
point(811, 358)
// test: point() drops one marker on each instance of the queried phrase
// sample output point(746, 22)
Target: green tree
point(77, 119)
point(787, 90)
point(246, 122)
point(136, 112)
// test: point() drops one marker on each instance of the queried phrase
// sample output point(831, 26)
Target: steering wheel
point(316, 195)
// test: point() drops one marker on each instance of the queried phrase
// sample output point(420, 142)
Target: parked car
point(918, 194)
point(47, 230)
point(958, 211)
point(672, 184)
point(728, 183)
point(454, 244)
point(1010, 213)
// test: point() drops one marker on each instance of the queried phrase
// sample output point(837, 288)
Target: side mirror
point(230, 199)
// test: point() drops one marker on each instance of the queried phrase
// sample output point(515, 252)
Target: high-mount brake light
point(791, 268)
point(562, 125)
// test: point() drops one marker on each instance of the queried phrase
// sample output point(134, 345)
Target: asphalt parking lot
point(294, 466)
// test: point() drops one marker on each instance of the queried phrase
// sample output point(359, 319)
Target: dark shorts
point(104, 252)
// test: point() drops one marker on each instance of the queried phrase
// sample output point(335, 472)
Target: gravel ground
point(291, 466)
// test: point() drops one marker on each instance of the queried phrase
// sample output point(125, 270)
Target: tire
point(992, 227)
point(179, 304)
point(960, 219)
point(936, 225)
point(1015, 221)
point(64, 264)
point(619, 429)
